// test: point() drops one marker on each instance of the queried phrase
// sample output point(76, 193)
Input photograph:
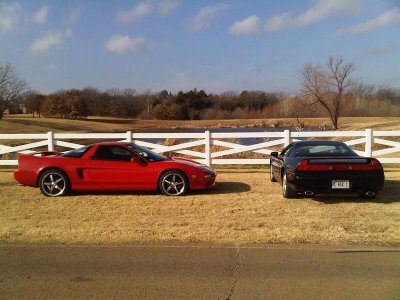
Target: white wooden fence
point(266, 143)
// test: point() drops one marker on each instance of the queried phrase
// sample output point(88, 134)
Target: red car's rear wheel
point(54, 183)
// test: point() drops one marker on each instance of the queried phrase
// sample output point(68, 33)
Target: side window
point(114, 153)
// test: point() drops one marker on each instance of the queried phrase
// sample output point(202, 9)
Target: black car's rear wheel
point(54, 183)
point(173, 183)
point(287, 191)
point(271, 174)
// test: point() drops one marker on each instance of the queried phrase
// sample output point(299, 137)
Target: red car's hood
point(186, 161)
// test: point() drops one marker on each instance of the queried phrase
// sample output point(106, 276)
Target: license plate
point(340, 184)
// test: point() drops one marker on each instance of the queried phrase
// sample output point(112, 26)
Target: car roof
point(316, 142)
point(111, 143)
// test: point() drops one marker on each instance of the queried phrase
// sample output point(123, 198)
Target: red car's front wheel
point(173, 183)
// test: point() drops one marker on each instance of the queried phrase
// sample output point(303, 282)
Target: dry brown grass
point(243, 208)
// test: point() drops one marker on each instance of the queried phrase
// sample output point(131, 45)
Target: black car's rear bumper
point(321, 182)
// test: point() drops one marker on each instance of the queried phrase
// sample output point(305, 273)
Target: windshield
point(337, 149)
point(77, 153)
point(146, 153)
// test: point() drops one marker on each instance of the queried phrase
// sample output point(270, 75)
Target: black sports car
point(311, 167)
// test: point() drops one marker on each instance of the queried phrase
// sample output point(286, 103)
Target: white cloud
point(144, 9)
point(204, 17)
point(248, 26)
point(135, 14)
point(321, 11)
point(167, 7)
point(9, 16)
point(41, 15)
point(121, 44)
point(388, 17)
point(325, 9)
point(278, 22)
point(43, 44)
point(380, 50)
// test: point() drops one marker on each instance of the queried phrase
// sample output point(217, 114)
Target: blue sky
point(212, 45)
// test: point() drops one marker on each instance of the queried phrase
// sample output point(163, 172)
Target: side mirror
point(274, 154)
point(138, 160)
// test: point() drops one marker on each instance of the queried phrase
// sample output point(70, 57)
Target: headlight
point(207, 169)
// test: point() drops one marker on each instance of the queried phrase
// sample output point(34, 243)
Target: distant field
point(243, 208)
point(27, 124)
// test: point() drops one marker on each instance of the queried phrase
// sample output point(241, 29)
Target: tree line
point(327, 90)
point(191, 105)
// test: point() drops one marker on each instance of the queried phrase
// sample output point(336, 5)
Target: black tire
point(287, 191)
point(54, 183)
point(271, 175)
point(173, 183)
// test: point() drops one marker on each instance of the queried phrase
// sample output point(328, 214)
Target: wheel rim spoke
point(173, 184)
point(53, 184)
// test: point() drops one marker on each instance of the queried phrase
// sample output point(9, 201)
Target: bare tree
point(327, 86)
point(149, 102)
point(34, 102)
point(11, 87)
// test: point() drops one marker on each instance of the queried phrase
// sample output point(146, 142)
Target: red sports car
point(112, 166)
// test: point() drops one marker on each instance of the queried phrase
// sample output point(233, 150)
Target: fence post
point(50, 141)
point(129, 136)
point(368, 142)
point(207, 150)
point(286, 137)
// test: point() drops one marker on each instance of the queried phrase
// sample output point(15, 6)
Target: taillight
point(375, 164)
point(304, 165)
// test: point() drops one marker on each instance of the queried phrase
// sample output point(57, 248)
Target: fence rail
point(214, 146)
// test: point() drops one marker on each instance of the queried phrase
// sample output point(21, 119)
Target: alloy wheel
point(53, 184)
point(173, 184)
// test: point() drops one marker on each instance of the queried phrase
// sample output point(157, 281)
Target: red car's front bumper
point(203, 182)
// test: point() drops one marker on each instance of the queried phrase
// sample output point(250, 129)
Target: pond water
point(243, 141)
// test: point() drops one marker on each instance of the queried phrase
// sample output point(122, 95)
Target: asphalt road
point(198, 272)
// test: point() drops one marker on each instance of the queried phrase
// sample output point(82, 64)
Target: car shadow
point(219, 188)
point(389, 194)
point(112, 193)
